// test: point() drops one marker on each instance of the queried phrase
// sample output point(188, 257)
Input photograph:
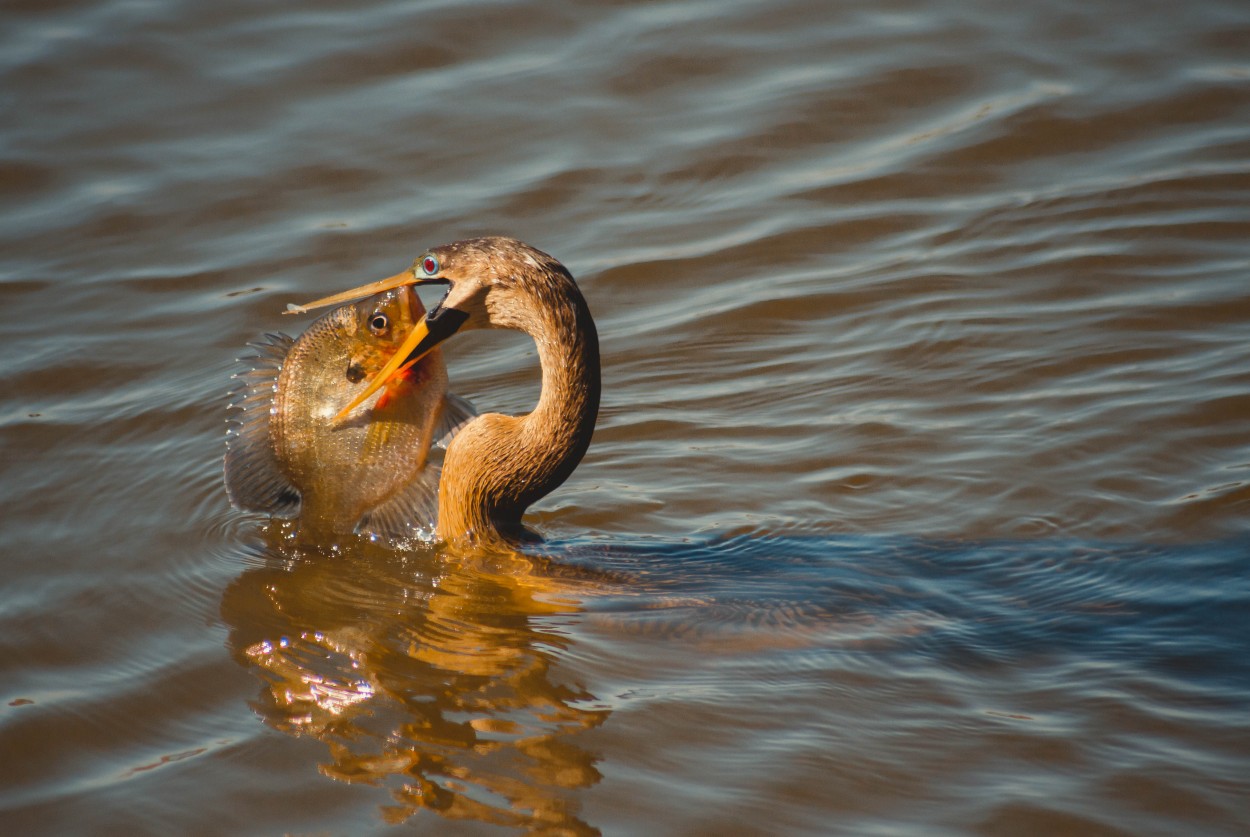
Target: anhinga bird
point(497, 465)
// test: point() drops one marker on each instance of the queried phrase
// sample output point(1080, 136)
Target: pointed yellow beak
point(419, 342)
point(392, 366)
point(405, 278)
point(399, 361)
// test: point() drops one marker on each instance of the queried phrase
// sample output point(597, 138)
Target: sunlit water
point(918, 502)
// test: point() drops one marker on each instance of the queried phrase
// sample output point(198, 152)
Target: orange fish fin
point(412, 513)
point(254, 482)
point(457, 412)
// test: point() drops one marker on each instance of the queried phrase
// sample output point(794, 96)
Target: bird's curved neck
point(498, 465)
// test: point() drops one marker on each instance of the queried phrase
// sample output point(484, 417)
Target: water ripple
point(921, 472)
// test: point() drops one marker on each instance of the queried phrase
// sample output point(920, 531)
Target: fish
point(288, 457)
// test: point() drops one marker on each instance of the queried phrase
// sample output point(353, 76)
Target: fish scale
point(285, 456)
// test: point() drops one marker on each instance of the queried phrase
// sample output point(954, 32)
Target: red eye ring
point(429, 265)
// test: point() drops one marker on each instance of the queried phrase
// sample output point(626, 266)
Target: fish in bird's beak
point(435, 327)
point(370, 474)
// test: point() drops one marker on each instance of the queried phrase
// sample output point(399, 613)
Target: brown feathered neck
point(497, 465)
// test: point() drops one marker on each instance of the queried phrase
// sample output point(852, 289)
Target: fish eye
point(429, 264)
point(378, 323)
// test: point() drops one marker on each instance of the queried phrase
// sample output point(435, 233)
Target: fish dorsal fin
point(409, 514)
point(254, 482)
point(457, 412)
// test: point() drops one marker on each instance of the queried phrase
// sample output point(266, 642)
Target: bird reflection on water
point(433, 678)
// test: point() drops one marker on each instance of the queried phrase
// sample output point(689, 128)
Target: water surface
point(918, 499)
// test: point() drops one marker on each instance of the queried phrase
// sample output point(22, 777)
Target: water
point(918, 499)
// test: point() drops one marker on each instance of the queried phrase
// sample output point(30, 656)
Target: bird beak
point(434, 328)
point(405, 278)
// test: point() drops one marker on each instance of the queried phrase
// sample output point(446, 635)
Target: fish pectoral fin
point(411, 513)
point(254, 482)
point(457, 412)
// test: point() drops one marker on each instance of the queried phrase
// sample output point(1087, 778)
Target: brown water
point(918, 503)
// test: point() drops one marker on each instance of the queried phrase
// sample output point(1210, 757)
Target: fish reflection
point(370, 474)
point(432, 678)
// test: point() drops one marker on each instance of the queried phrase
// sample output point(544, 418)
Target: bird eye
point(378, 323)
point(429, 265)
